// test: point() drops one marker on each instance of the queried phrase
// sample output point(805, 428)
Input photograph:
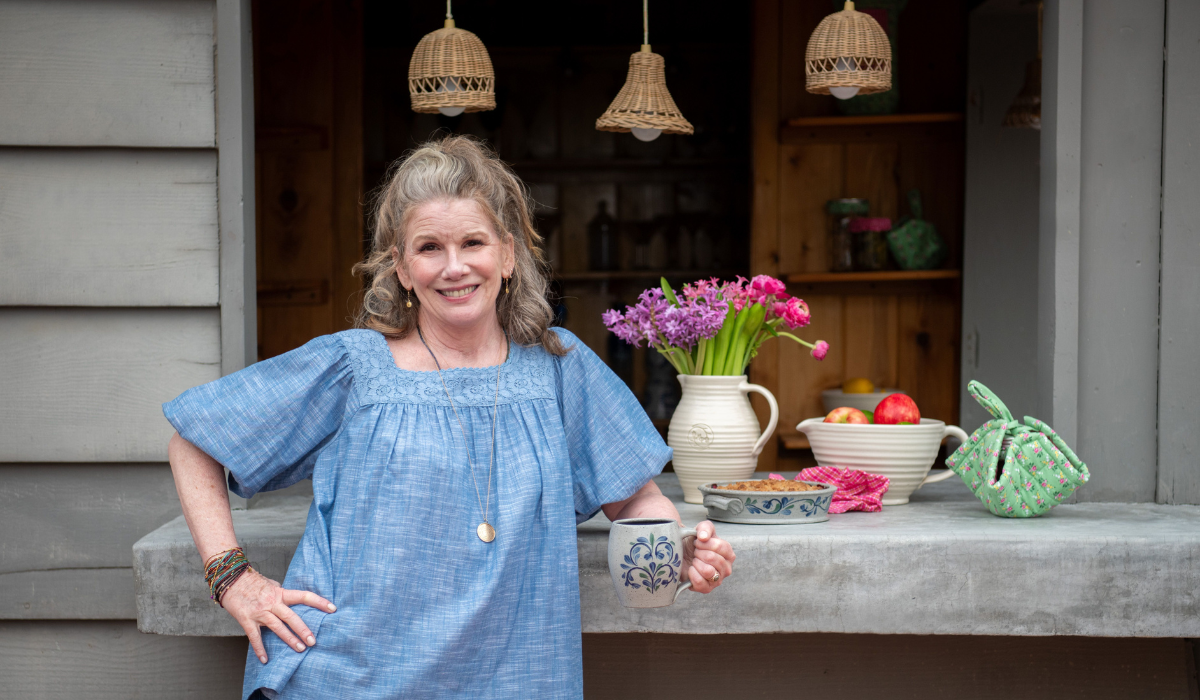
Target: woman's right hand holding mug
point(256, 601)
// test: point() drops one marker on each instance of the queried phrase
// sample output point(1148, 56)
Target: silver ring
point(715, 577)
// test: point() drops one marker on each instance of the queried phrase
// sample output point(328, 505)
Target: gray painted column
point(1179, 341)
point(235, 185)
point(1120, 177)
point(1000, 227)
point(1058, 217)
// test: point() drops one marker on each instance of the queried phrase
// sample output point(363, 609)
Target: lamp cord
point(645, 21)
point(449, 14)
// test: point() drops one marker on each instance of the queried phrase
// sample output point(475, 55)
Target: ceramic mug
point(645, 558)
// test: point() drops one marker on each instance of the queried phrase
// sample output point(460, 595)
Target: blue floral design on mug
point(652, 563)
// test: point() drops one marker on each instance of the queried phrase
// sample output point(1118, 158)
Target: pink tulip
point(820, 350)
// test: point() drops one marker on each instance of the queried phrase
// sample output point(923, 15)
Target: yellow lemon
point(858, 385)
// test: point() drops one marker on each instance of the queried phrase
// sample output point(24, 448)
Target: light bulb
point(645, 134)
point(844, 65)
point(450, 86)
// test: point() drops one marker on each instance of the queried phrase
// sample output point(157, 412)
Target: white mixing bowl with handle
point(902, 453)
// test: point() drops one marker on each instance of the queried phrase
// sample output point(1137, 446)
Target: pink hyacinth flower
point(820, 350)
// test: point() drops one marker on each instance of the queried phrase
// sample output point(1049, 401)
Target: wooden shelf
point(883, 276)
point(602, 276)
point(794, 441)
point(878, 119)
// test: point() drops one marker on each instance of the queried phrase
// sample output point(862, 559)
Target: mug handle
point(683, 535)
point(747, 387)
point(963, 437)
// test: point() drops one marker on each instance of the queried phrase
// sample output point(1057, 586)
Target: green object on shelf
point(848, 207)
point(914, 242)
point(1033, 473)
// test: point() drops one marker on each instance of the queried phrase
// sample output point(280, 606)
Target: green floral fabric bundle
point(1038, 471)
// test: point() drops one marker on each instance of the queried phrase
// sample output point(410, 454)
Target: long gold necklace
point(486, 532)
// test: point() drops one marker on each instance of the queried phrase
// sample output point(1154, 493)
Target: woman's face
point(455, 263)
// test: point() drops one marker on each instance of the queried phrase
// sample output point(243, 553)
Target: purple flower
point(820, 350)
point(655, 320)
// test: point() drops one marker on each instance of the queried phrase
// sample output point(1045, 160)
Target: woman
point(454, 441)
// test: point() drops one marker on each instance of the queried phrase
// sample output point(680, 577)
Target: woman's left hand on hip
point(707, 559)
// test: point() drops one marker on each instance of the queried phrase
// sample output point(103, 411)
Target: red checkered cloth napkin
point(856, 490)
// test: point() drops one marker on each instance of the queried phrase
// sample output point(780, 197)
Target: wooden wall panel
point(113, 661)
point(107, 73)
point(928, 354)
point(69, 530)
point(98, 593)
point(81, 515)
point(86, 384)
point(308, 84)
point(809, 176)
point(870, 173)
point(870, 338)
point(108, 227)
point(886, 667)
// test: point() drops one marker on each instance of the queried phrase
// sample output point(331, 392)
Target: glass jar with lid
point(839, 212)
point(869, 235)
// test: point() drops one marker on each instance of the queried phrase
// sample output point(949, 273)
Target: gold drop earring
point(506, 285)
point(408, 293)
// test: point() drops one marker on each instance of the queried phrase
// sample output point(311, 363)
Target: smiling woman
point(452, 233)
point(449, 465)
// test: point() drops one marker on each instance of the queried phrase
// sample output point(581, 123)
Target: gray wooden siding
point(113, 296)
point(86, 517)
point(1119, 248)
point(112, 660)
point(108, 227)
point(1179, 357)
point(110, 73)
point(84, 385)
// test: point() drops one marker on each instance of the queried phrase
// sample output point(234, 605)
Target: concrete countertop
point(939, 565)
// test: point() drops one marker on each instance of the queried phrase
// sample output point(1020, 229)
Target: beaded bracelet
point(223, 570)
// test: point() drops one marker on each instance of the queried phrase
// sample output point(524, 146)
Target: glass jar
point(869, 236)
point(838, 214)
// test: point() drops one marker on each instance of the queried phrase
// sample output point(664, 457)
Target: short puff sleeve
point(267, 423)
point(613, 446)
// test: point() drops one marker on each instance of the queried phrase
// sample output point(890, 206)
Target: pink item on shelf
point(867, 223)
point(856, 490)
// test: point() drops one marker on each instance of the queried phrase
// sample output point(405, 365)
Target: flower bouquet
point(713, 328)
point(710, 333)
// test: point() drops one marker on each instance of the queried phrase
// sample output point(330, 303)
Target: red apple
point(897, 408)
point(845, 414)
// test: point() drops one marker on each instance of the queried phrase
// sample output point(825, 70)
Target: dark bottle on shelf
point(602, 240)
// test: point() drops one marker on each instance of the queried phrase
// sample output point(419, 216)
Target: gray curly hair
point(457, 167)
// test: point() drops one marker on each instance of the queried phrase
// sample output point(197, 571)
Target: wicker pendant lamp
point(848, 54)
point(1025, 112)
point(644, 105)
point(451, 73)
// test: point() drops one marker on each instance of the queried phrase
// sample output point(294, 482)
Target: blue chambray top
point(425, 608)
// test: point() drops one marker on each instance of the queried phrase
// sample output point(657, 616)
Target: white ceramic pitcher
point(715, 433)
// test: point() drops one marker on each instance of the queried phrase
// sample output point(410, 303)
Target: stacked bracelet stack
point(222, 570)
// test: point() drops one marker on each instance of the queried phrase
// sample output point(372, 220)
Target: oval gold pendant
point(486, 532)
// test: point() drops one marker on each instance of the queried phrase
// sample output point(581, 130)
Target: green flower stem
point(701, 352)
point(789, 335)
point(745, 330)
point(723, 339)
point(735, 334)
point(752, 349)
